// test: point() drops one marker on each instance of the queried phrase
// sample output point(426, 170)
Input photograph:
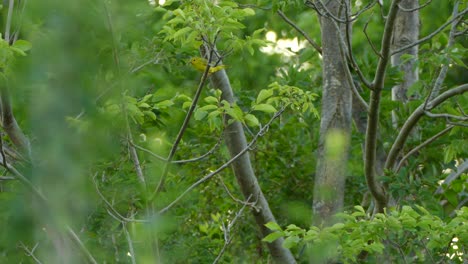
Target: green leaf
point(272, 237)
point(208, 107)
point(181, 32)
point(251, 120)
point(263, 95)
point(291, 241)
point(22, 45)
point(150, 114)
point(273, 226)
point(211, 100)
point(248, 12)
point(199, 114)
point(266, 108)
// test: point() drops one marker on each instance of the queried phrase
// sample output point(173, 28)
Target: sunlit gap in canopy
point(286, 47)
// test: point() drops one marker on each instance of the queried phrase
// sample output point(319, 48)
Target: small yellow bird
point(200, 65)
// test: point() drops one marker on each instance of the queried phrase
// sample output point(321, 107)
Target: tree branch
point(435, 91)
point(262, 131)
point(414, 118)
point(428, 37)
point(422, 145)
point(373, 118)
point(183, 127)
point(303, 33)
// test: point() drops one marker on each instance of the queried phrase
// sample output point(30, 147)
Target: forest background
point(336, 133)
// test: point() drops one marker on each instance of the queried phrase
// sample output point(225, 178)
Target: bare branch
point(435, 91)
point(184, 124)
point(134, 157)
point(326, 12)
point(457, 123)
point(114, 213)
point(211, 151)
point(370, 41)
point(422, 145)
point(30, 252)
point(414, 118)
point(8, 23)
point(74, 237)
point(262, 131)
point(9, 123)
point(303, 33)
point(462, 168)
point(251, 204)
point(354, 64)
point(416, 8)
point(428, 37)
point(373, 117)
point(227, 231)
point(446, 116)
point(130, 243)
point(356, 15)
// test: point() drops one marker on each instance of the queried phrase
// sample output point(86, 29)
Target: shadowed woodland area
point(223, 131)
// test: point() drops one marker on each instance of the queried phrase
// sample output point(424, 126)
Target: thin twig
point(298, 29)
point(183, 127)
point(370, 41)
point(416, 8)
point(252, 204)
point(446, 116)
point(428, 37)
point(457, 123)
point(354, 63)
point(412, 120)
point(217, 144)
point(422, 145)
point(115, 213)
point(227, 231)
point(9, 18)
point(262, 131)
point(356, 15)
point(30, 252)
point(435, 89)
point(80, 244)
point(130, 243)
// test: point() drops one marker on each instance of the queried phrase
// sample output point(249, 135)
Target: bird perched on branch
point(200, 65)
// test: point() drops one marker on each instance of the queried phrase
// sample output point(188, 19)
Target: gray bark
point(335, 122)
point(406, 31)
point(236, 142)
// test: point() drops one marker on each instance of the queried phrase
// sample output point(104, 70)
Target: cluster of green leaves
point(413, 234)
point(267, 101)
point(193, 20)
point(9, 52)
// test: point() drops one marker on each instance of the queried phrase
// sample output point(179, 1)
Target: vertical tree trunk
point(236, 142)
point(335, 125)
point(406, 31)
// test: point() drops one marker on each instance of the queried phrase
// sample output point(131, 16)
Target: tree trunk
point(236, 142)
point(406, 31)
point(335, 125)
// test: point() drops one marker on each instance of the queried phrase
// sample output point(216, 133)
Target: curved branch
point(225, 165)
point(414, 118)
point(422, 145)
point(443, 71)
point(428, 37)
point(303, 33)
point(183, 127)
point(373, 119)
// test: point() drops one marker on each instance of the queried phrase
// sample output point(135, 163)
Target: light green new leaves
point(222, 19)
point(8, 53)
point(358, 232)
